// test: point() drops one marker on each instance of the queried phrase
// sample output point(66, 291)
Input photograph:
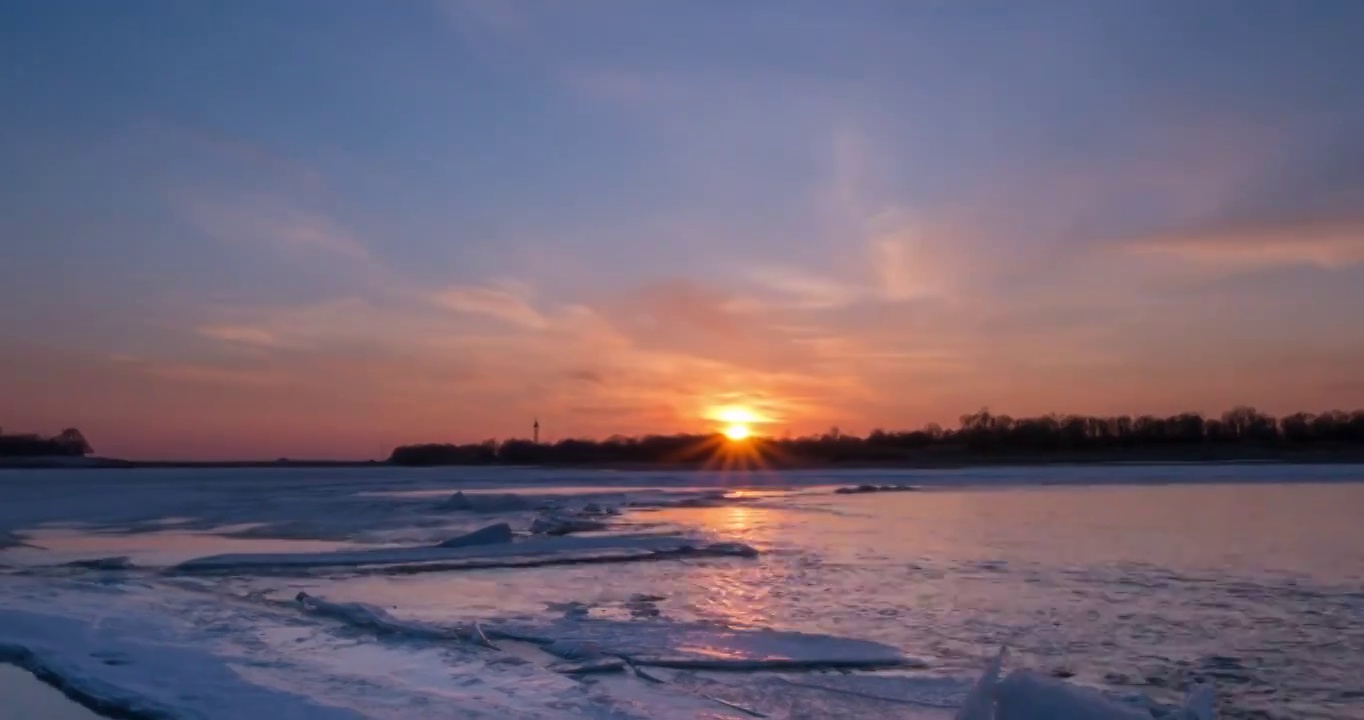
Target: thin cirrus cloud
point(503, 304)
point(1328, 244)
point(273, 222)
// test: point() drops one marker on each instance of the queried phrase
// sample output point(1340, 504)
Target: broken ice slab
point(369, 617)
point(702, 645)
point(538, 551)
point(490, 535)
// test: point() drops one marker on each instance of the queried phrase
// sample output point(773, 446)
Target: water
point(1257, 587)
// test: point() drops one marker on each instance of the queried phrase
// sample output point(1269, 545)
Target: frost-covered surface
point(323, 593)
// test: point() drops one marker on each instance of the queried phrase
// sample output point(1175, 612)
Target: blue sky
point(238, 229)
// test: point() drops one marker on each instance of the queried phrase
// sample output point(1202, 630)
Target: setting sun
point(737, 431)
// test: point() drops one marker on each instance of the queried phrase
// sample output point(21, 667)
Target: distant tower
point(535, 431)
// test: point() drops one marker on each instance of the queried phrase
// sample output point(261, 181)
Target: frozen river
point(322, 593)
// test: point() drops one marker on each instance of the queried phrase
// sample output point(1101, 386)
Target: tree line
point(1239, 432)
point(68, 443)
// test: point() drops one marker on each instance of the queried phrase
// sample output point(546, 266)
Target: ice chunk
point(537, 552)
point(376, 619)
point(860, 489)
point(120, 562)
point(937, 693)
point(555, 524)
point(736, 706)
point(643, 606)
point(1199, 704)
point(980, 704)
point(572, 608)
point(587, 667)
point(1027, 695)
point(491, 535)
point(574, 649)
point(485, 503)
point(702, 646)
point(732, 548)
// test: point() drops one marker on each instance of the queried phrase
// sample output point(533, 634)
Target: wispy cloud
point(271, 222)
point(807, 290)
point(243, 334)
point(504, 304)
point(1326, 243)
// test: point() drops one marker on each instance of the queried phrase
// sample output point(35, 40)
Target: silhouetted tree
point(981, 432)
point(68, 443)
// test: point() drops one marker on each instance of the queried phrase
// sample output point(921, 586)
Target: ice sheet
point(129, 666)
point(366, 616)
point(701, 646)
point(380, 672)
point(530, 552)
point(491, 535)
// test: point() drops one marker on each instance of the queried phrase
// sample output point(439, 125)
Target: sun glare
point(735, 415)
point(737, 431)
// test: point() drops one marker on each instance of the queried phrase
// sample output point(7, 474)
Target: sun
point(737, 432)
point(735, 415)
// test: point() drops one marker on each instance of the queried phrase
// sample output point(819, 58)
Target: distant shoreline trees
point(69, 443)
point(1241, 431)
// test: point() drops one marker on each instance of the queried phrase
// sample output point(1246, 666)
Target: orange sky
point(437, 223)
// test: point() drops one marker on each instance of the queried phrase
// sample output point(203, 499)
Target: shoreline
point(923, 463)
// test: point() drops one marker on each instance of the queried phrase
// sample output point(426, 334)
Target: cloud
point(1326, 243)
point(273, 222)
point(806, 290)
point(506, 304)
point(678, 304)
point(343, 323)
point(244, 334)
point(232, 154)
point(909, 264)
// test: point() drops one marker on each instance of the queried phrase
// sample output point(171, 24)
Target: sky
point(322, 228)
